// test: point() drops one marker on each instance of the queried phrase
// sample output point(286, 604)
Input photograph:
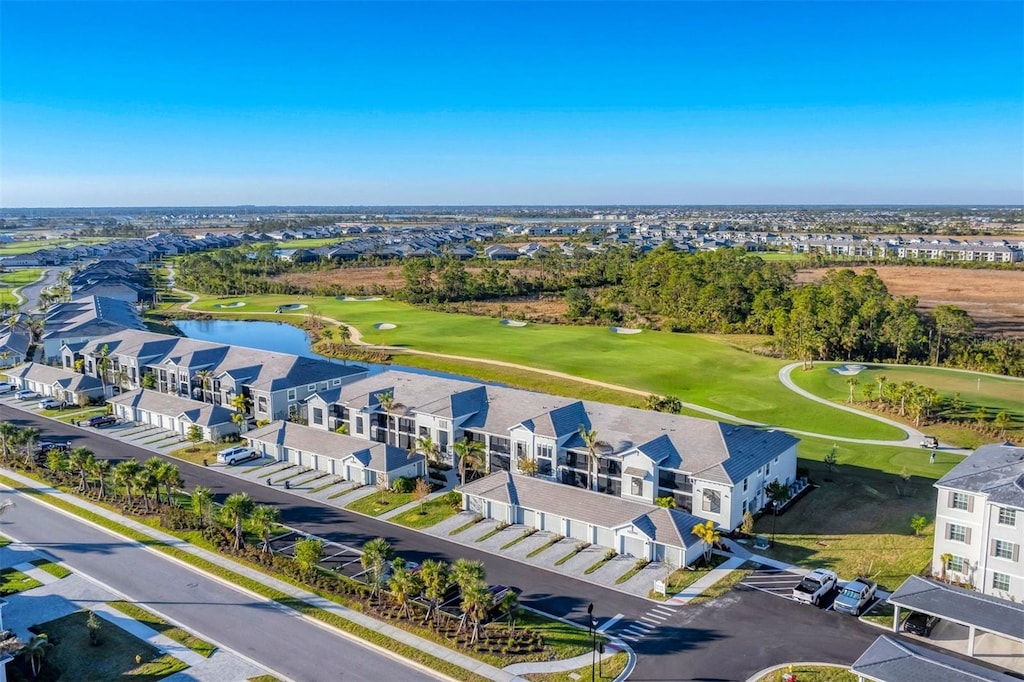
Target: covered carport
point(971, 609)
point(892, 660)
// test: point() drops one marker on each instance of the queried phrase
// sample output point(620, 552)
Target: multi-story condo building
point(979, 522)
point(713, 470)
point(274, 385)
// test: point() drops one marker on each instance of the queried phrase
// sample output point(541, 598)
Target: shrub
point(452, 498)
point(402, 485)
point(176, 518)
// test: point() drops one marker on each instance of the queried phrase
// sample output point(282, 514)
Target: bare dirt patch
point(994, 298)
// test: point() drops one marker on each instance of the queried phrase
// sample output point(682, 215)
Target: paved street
point(268, 635)
point(728, 639)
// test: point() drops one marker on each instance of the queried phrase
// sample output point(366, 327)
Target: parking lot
point(780, 583)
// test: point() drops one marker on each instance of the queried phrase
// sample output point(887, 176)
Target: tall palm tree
point(125, 474)
point(81, 460)
point(388, 402)
point(471, 455)
point(58, 462)
point(852, 382)
point(403, 586)
point(205, 377)
point(376, 553)
point(476, 602)
point(264, 518)
point(510, 607)
point(153, 466)
point(237, 508)
point(8, 438)
point(35, 648)
point(146, 482)
point(99, 470)
point(592, 443)
point(436, 581)
point(708, 535)
point(25, 443)
point(202, 504)
point(466, 571)
point(430, 450)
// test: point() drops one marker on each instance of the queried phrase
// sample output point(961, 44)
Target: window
point(1007, 517)
point(767, 469)
point(636, 486)
point(712, 501)
point(1001, 582)
point(261, 403)
point(744, 486)
point(956, 532)
point(1002, 549)
point(336, 382)
point(318, 415)
point(291, 394)
point(359, 425)
point(311, 388)
point(959, 501)
point(957, 564)
point(545, 451)
point(544, 467)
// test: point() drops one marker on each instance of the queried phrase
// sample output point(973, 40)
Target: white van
point(235, 455)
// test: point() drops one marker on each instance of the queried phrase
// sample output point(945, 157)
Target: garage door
point(325, 464)
point(633, 546)
point(551, 523)
point(499, 511)
point(476, 505)
point(527, 517)
point(606, 537)
point(579, 530)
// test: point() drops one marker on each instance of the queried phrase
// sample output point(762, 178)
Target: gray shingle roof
point(50, 376)
point(963, 606)
point(892, 660)
point(204, 414)
point(668, 526)
point(995, 470)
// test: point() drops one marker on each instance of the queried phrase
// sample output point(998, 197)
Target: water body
point(283, 338)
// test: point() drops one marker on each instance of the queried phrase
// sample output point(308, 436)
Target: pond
point(283, 338)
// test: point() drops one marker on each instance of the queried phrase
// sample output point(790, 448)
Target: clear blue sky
point(194, 103)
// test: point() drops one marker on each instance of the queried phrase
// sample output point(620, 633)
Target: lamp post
point(593, 635)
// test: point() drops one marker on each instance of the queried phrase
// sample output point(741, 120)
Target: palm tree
point(8, 438)
point(34, 650)
point(881, 378)
point(430, 450)
point(466, 571)
point(476, 602)
point(376, 553)
point(264, 518)
point(388, 402)
point(779, 494)
point(852, 382)
point(471, 455)
point(169, 476)
point(237, 508)
point(436, 581)
point(25, 443)
point(99, 470)
point(593, 458)
point(81, 460)
point(153, 466)
point(146, 482)
point(404, 585)
point(57, 461)
point(202, 504)
point(708, 535)
point(510, 607)
point(204, 376)
point(125, 474)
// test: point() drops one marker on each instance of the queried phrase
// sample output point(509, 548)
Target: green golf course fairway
point(701, 369)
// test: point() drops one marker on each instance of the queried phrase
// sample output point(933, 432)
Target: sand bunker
point(513, 323)
point(291, 306)
point(384, 326)
point(848, 370)
point(359, 298)
point(236, 304)
point(624, 330)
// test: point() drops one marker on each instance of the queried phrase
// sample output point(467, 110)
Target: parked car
point(99, 420)
point(5, 387)
point(930, 442)
point(26, 394)
point(234, 455)
point(47, 445)
point(815, 586)
point(920, 624)
point(50, 404)
point(855, 596)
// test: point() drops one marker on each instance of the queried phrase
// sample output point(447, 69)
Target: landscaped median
point(558, 640)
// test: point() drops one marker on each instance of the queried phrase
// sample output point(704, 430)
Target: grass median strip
point(526, 534)
point(201, 647)
point(404, 650)
point(550, 543)
point(50, 567)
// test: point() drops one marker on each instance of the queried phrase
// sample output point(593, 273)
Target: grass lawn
point(856, 524)
point(201, 647)
point(609, 670)
point(12, 582)
point(882, 614)
point(993, 392)
point(113, 659)
point(19, 278)
point(79, 415)
point(196, 453)
point(432, 512)
point(812, 673)
point(682, 578)
point(53, 569)
point(703, 369)
point(376, 504)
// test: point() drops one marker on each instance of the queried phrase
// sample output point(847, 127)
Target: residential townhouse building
point(979, 522)
point(275, 385)
point(713, 470)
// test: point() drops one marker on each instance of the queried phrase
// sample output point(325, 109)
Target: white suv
point(235, 455)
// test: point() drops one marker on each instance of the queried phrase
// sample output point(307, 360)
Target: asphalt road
point(728, 639)
point(262, 631)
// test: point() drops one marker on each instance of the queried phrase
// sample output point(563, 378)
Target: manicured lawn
point(683, 577)
point(608, 670)
point(113, 659)
point(53, 569)
point(201, 647)
point(812, 673)
point(881, 458)
point(372, 505)
point(197, 453)
point(19, 278)
point(856, 524)
point(431, 513)
point(993, 392)
point(12, 582)
point(702, 369)
point(882, 614)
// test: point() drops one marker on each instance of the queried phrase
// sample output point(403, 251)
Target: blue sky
point(195, 103)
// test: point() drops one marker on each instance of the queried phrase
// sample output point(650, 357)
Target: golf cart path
point(910, 434)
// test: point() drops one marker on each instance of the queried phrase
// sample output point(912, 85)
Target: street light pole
point(593, 635)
